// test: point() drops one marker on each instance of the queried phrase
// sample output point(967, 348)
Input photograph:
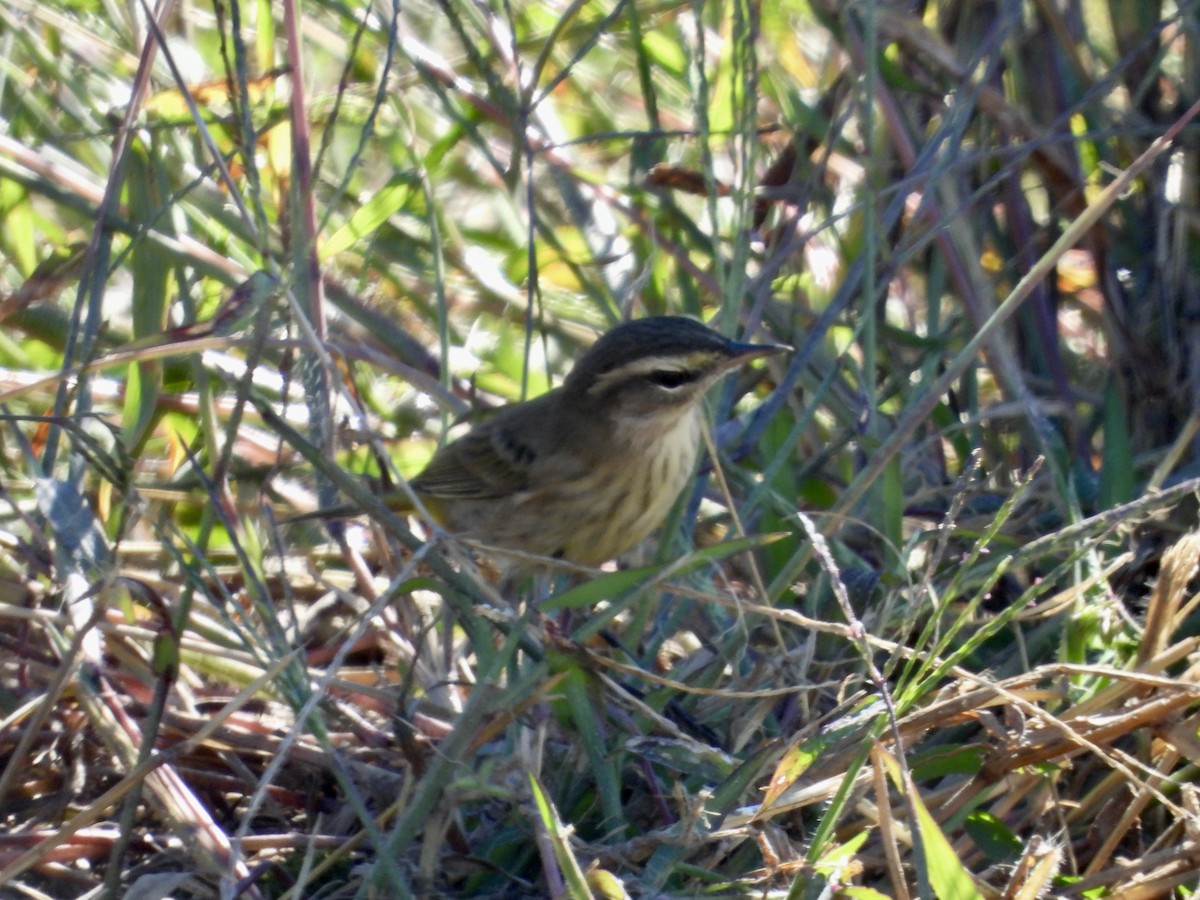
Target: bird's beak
point(740, 352)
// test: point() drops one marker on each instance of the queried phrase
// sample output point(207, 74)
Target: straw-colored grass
point(926, 624)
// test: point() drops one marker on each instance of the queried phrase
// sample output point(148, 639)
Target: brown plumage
point(586, 471)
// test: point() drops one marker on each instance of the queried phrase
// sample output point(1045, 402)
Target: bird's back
point(558, 495)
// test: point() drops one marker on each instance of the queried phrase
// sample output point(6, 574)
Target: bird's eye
point(670, 378)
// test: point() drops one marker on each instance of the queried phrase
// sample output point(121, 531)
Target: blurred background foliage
point(259, 258)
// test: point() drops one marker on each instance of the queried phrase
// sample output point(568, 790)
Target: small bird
point(587, 470)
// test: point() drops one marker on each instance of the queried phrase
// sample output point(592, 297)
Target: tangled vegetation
point(925, 626)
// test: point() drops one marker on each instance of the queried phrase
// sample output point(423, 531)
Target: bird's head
point(656, 366)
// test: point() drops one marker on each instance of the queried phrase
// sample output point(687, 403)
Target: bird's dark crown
point(671, 356)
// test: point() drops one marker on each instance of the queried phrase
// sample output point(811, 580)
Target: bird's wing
point(490, 461)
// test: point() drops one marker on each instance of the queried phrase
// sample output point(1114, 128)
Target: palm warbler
point(586, 471)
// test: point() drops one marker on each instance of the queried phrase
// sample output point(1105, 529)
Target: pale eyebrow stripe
point(643, 367)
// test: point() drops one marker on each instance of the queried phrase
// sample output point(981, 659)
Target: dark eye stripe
point(671, 378)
